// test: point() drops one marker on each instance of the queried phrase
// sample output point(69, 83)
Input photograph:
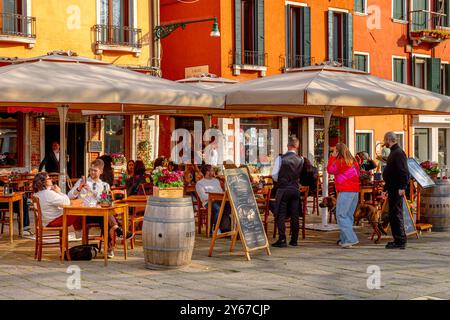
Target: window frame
point(403, 138)
point(429, 142)
point(405, 68)
point(243, 32)
point(364, 13)
point(291, 63)
point(405, 21)
point(425, 73)
point(371, 138)
point(367, 55)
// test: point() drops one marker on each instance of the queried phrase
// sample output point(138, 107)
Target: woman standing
point(346, 178)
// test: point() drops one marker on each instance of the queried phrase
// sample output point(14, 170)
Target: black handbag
point(84, 252)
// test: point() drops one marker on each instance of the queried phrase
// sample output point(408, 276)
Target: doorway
point(75, 144)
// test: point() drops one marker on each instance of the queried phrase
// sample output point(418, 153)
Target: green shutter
point(420, 19)
point(330, 35)
point(359, 6)
point(288, 58)
point(447, 79)
point(237, 33)
point(398, 70)
point(348, 40)
point(447, 12)
point(306, 36)
point(434, 75)
point(260, 32)
point(413, 73)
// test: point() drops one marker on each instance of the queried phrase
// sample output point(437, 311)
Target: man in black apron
point(286, 174)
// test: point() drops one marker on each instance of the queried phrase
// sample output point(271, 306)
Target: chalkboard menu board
point(244, 203)
point(416, 171)
point(410, 226)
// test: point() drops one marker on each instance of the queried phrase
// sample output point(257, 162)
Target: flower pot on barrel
point(168, 231)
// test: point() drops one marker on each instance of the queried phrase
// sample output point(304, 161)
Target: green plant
point(144, 149)
point(334, 132)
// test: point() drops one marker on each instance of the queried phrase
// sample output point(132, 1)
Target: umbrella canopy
point(207, 80)
point(344, 91)
point(84, 83)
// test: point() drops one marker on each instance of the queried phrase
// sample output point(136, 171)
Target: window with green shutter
point(360, 6)
point(434, 74)
point(340, 37)
point(298, 37)
point(364, 142)
point(399, 9)
point(362, 62)
point(399, 68)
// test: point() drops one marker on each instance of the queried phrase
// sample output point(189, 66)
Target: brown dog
point(373, 215)
point(367, 211)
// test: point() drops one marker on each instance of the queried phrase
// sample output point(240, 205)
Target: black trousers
point(288, 206)
point(396, 217)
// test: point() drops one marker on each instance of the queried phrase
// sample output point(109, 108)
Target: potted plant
point(105, 200)
point(431, 168)
point(334, 134)
point(118, 159)
point(167, 184)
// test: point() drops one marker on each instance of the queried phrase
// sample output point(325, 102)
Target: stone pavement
point(316, 269)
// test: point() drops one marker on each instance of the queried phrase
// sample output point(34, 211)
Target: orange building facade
point(258, 38)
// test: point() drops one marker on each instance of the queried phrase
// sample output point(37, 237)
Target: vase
point(433, 176)
point(105, 204)
point(168, 192)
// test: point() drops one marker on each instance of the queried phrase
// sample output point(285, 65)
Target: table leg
point(105, 236)
point(85, 236)
point(125, 230)
point(11, 220)
point(64, 249)
point(21, 216)
point(208, 223)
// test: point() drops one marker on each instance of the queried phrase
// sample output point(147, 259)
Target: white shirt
point(205, 186)
point(51, 204)
point(96, 187)
point(56, 155)
point(213, 158)
point(277, 167)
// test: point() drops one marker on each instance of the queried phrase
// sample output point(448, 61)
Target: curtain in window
point(359, 6)
point(399, 70)
point(399, 10)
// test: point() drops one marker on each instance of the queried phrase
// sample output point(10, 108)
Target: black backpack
point(84, 252)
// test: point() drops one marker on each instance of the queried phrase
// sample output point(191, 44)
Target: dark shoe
point(119, 234)
point(339, 242)
point(393, 245)
point(294, 244)
point(280, 244)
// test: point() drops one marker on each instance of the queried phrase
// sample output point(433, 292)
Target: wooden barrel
point(435, 205)
point(168, 232)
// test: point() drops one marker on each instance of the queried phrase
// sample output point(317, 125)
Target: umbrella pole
point(62, 111)
point(327, 118)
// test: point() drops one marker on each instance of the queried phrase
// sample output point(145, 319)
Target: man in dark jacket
point(396, 177)
point(51, 160)
point(286, 173)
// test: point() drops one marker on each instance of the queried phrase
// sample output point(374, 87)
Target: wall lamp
point(165, 30)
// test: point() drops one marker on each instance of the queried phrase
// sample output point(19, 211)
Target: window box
point(430, 35)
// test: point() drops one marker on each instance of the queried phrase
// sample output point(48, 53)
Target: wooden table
point(10, 199)
point(85, 211)
point(212, 196)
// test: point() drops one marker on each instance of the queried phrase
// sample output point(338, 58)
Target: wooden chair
point(316, 195)
point(121, 192)
point(202, 215)
point(263, 202)
point(44, 233)
point(146, 189)
point(304, 193)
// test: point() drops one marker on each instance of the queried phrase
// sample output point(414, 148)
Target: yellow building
point(116, 31)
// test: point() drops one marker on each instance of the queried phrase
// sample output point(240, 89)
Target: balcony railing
point(253, 58)
point(298, 61)
point(118, 36)
point(17, 25)
point(426, 26)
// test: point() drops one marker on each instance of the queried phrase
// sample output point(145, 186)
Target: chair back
point(146, 189)
point(116, 192)
point(37, 214)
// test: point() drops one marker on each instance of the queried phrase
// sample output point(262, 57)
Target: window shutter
point(237, 33)
point(447, 12)
point(260, 32)
point(359, 6)
point(398, 70)
point(306, 36)
point(348, 44)
point(434, 75)
point(447, 79)
point(413, 73)
point(288, 58)
point(330, 35)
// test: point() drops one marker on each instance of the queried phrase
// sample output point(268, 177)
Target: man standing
point(396, 177)
point(51, 160)
point(286, 173)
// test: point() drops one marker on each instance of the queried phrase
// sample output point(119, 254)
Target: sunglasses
point(94, 185)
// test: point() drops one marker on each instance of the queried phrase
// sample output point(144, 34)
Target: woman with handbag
point(345, 169)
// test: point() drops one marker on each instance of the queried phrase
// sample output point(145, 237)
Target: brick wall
point(35, 132)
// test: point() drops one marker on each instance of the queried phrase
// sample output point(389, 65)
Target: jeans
point(345, 210)
point(215, 211)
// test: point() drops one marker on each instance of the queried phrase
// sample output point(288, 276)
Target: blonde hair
point(344, 154)
point(98, 163)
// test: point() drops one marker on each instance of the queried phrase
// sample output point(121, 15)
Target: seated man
point(210, 184)
point(51, 200)
point(26, 214)
point(92, 187)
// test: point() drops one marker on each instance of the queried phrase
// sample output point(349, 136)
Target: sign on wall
point(195, 71)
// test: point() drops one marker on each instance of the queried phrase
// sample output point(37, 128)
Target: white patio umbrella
point(67, 81)
point(329, 90)
point(207, 80)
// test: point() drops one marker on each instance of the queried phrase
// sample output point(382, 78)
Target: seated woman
point(130, 168)
point(367, 164)
point(51, 200)
point(135, 181)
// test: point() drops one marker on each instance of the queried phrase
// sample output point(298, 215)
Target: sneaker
point(119, 234)
point(110, 254)
point(393, 245)
point(280, 244)
point(27, 233)
point(348, 245)
point(339, 242)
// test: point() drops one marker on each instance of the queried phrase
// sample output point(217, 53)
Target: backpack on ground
point(84, 252)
